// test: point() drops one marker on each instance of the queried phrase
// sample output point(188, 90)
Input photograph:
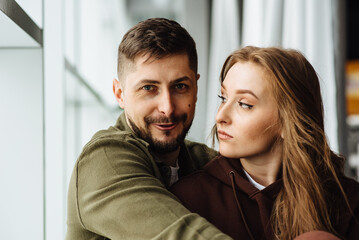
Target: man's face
point(159, 98)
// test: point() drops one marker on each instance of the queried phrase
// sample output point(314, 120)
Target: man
point(118, 189)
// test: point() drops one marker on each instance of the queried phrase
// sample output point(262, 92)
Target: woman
point(275, 177)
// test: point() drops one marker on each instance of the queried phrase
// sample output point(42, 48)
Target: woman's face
point(247, 119)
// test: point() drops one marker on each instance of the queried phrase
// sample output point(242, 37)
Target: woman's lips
point(165, 126)
point(222, 135)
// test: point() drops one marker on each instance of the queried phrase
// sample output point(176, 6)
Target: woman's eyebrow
point(242, 91)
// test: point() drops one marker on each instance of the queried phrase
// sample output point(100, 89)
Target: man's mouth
point(165, 126)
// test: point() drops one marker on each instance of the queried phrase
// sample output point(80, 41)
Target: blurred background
point(58, 60)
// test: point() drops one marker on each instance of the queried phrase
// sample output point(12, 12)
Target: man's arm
point(115, 194)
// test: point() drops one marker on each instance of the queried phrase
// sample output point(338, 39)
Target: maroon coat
point(212, 193)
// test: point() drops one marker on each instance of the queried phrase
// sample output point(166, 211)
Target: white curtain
point(305, 25)
point(224, 40)
point(262, 22)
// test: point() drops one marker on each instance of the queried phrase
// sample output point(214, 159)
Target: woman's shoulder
point(350, 218)
point(193, 189)
point(191, 178)
point(351, 189)
point(350, 185)
point(199, 179)
point(196, 183)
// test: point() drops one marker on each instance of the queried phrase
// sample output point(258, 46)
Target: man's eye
point(180, 86)
point(245, 106)
point(148, 88)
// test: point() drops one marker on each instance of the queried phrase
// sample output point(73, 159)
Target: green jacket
point(118, 191)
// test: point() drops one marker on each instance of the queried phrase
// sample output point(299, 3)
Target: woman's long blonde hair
point(308, 165)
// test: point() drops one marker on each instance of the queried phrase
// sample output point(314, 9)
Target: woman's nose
point(223, 114)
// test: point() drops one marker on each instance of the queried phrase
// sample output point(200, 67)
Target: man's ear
point(118, 92)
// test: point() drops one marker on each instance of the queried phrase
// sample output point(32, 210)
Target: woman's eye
point(245, 106)
point(223, 99)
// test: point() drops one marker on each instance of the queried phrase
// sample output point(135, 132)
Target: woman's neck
point(263, 169)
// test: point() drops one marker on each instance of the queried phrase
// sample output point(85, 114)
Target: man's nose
point(166, 104)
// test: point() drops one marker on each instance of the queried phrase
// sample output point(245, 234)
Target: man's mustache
point(171, 119)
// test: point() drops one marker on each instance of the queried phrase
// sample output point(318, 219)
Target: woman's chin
point(228, 153)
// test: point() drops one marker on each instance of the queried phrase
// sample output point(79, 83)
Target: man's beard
point(162, 146)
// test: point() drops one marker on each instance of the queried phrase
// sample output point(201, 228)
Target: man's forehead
point(179, 62)
point(148, 58)
point(145, 81)
point(145, 57)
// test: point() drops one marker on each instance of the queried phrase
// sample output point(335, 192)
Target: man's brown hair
point(157, 37)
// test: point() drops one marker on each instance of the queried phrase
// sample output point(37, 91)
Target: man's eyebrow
point(242, 91)
point(146, 81)
point(185, 78)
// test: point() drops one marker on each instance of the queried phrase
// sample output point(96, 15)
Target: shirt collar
point(254, 183)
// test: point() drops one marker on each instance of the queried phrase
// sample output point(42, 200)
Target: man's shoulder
point(119, 132)
point(112, 134)
point(114, 151)
point(114, 144)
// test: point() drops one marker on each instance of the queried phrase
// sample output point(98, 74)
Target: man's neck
point(169, 158)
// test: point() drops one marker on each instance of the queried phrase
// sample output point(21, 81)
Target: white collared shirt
point(254, 183)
